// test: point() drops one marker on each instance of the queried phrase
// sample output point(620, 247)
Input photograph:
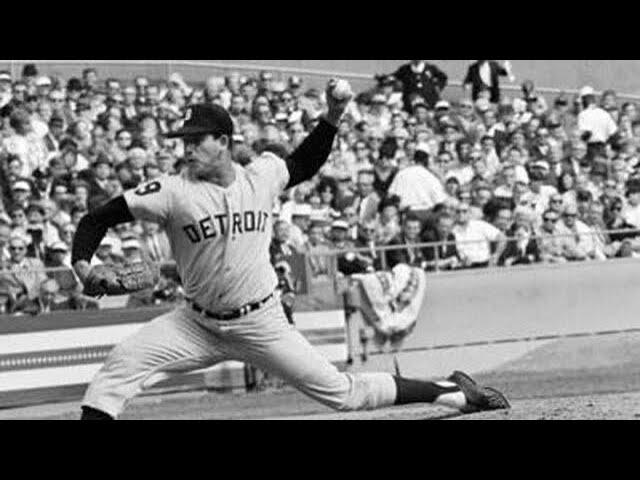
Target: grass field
point(586, 378)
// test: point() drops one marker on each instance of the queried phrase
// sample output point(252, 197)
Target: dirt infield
point(585, 378)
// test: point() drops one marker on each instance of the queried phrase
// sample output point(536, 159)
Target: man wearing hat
point(422, 79)
point(295, 86)
point(595, 125)
point(218, 216)
point(58, 259)
point(577, 237)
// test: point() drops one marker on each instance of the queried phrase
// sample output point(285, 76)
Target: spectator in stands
point(384, 169)
point(24, 274)
point(281, 248)
point(410, 254)
point(522, 249)
point(59, 260)
point(348, 262)
point(445, 255)
point(473, 239)
point(631, 213)
point(420, 79)
point(595, 125)
point(503, 219)
point(419, 189)
point(551, 246)
point(485, 74)
point(388, 220)
point(367, 199)
point(317, 249)
point(155, 243)
point(578, 238)
point(370, 259)
point(615, 221)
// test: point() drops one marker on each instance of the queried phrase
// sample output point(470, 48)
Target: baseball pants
point(183, 340)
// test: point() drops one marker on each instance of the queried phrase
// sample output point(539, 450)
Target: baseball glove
point(120, 280)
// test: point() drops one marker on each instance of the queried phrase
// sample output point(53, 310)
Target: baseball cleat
point(479, 398)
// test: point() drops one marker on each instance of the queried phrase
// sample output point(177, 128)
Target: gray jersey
point(220, 236)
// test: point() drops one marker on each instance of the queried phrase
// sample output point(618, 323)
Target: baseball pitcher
point(217, 215)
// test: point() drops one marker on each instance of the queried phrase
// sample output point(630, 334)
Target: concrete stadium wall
point(478, 320)
point(621, 75)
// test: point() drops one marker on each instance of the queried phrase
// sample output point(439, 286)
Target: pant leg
point(266, 340)
point(170, 344)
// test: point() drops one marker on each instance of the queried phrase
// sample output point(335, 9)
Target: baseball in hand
point(342, 90)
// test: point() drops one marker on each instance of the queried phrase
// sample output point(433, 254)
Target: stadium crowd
point(500, 180)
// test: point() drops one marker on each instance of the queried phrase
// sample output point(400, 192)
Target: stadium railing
point(331, 283)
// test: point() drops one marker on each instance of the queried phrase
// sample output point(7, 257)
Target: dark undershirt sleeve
point(308, 158)
point(94, 225)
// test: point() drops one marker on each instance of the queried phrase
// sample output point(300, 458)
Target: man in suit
point(368, 199)
point(443, 256)
point(485, 74)
point(410, 236)
point(97, 178)
point(155, 243)
point(421, 79)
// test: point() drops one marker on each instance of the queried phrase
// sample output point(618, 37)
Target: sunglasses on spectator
point(551, 219)
point(17, 249)
point(556, 200)
point(570, 215)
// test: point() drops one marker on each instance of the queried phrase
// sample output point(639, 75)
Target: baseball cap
point(541, 164)
point(5, 76)
point(295, 81)
point(108, 242)
point(130, 244)
point(59, 247)
point(281, 117)
point(21, 185)
point(205, 118)
point(302, 210)
point(587, 90)
point(340, 224)
point(43, 82)
point(443, 104)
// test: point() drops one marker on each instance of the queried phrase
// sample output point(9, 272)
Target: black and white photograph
point(319, 240)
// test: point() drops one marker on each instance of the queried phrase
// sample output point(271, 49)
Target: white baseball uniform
point(220, 238)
